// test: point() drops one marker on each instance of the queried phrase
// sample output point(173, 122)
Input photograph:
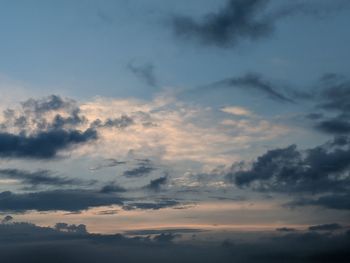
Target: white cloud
point(238, 111)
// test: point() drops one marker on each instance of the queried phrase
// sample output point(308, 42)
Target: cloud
point(326, 227)
point(246, 20)
point(64, 227)
point(156, 184)
point(107, 163)
point(39, 177)
point(50, 103)
point(317, 170)
point(6, 219)
point(152, 205)
point(147, 232)
point(143, 169)
point(285, 229)
point(238, 20)
point(121, 122)
point(331, 201)
point(334, 126)
point(252, 82)
point(112, 187)
point(43, 145)
point(25, 242)
point(237, 111)
point(145, 73)
point(65, 200)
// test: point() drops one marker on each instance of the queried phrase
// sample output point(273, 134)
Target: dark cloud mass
point(40, 177)
point(152, 205)
point(25, 242)
point(156, 184)
point(66, 200)
point(334, 100)
point(241, 20)
point(320, 170)
point(42, 145)
point(112, 187)
point(326, 227)
point(238, 20)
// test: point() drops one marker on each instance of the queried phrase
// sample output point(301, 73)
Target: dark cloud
point(40, 177)
point(145, 73)
point(25, 242)
point(73, 120)
point(314, 116)
point(108, 212)
point(44, 144)
point(316, 170)
point(144, 168)
point(64, 227)
point(33, 113)
point(112, 187)
point(238, 20)
point(47, 104)
point(252, 82)
point(326, 227)
point(156, 184)
point(152, 205)
point(163, 231)
point(66, 200)
point(322, 170)
point(334, 100)
point(331, 201)
point(241, 20)
point(334, 126)
point(6, 219)
point(120, 123)
point(165, 237)
point(107, 163)
point(285, 229)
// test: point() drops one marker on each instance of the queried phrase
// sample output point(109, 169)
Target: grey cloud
point(25, 242)
point(145, 73)
point(331, 201)
point(6, 219)
point(242, 20)
point(152, 205)
point(156, 184)
point(144, 168)
point(121, 122)
point(107, 163)
point(44, 144)
point(64, 227)
point(66, 200)
point(326, 227)
point(334, 100)
point(50, 103)
point(163, 231)
point(252, 82)
point(317, 170)
point(238, 20)
point(112, 187)
point(285, 229)
point(40, 177)
point(334, 126)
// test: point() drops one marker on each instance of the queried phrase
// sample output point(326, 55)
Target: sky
point(178, 127)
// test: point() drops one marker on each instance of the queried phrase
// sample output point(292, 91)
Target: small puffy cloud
point(237, 111)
